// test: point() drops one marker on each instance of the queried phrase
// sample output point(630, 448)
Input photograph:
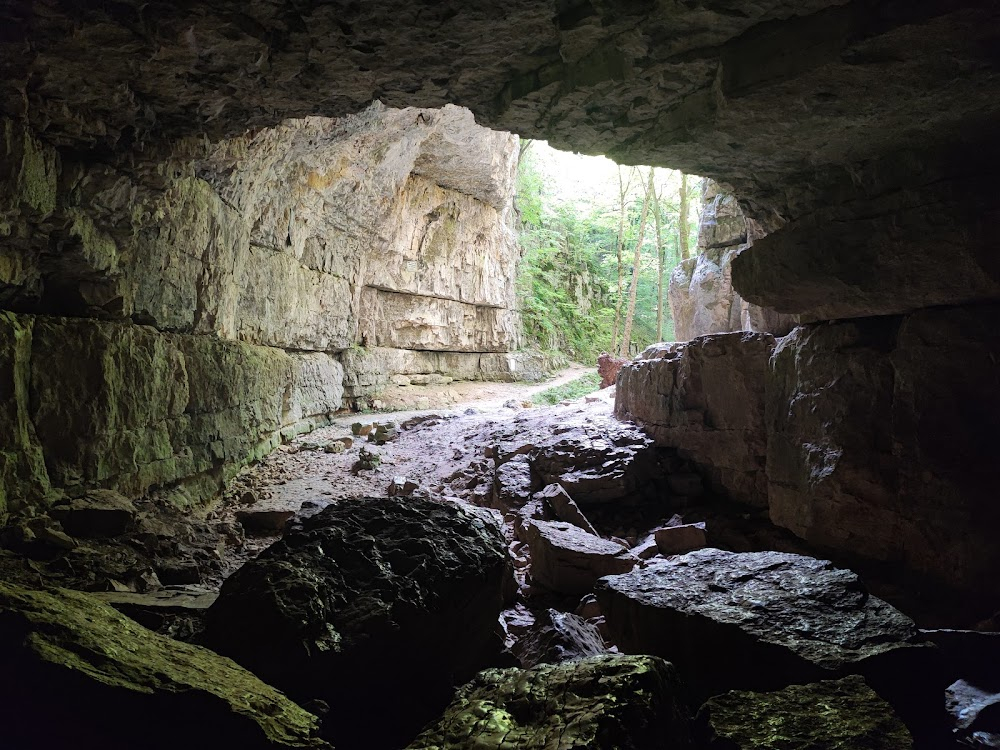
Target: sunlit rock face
point(390, 229)
point(701, 293)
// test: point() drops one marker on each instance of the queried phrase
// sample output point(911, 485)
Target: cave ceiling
point(789, 103)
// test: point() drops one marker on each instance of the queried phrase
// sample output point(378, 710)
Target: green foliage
point(568, 277)
point(568, 391)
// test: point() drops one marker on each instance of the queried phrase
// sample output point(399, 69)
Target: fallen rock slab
point(98, 514)
point(841, 714)
point(564, 507)
point(677, 540)
point(114, 684)
point(264, 522)
point(763, 620)
point(370, 603)
point(600, 703)
point(567, 559)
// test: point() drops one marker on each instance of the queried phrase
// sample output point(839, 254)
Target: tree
point(683, 223)
point(622, 208)
point(650, 192)
point(660, 261)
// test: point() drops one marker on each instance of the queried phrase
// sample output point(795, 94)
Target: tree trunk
point(634, 287)
point(622, 190)
point(683, 218)
point(660, 261)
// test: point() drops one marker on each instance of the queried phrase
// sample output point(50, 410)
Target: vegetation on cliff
point(595, 239)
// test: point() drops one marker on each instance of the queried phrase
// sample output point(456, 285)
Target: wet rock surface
point(763, 620)
point(829, 715)
point(361, 590)
point(598, 703)
point(556, 637)
point(879, 442)
point(569, 560)
point(107, 678)
point(706, 399)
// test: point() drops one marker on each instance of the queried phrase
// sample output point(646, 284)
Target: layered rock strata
point(701, 294)
point(287, 248)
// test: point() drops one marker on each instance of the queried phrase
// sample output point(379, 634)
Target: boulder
point(763, 620)
point(564, 507)
point(371, 602)
point(676, 540)
point(567, 559)
point(512, 484)
point(600, 703)
point(707, 399)
point(842, 714)
point(114, 684)
point(974, 710)
point(556, 637)
point(881, 441)
point(608, 367)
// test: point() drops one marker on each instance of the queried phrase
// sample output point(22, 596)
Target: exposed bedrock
point(286, 248)
point(920, 245)
point(103, 405)
point(706, 398)
point(871, 437)
point(371, 605)
point(111, 682)
point(701, 294)
point(881, 441)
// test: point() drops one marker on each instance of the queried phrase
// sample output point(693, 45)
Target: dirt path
point(461, 394)
point(439, 454)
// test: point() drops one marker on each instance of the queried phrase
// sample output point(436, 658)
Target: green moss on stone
point(830, 715)
point(81, 636)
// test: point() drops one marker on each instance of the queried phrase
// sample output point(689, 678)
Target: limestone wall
point(873, 438)
point(701, 294)
point(172, 320)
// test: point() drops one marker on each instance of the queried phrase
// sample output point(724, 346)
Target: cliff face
point(257, 269)
point(701, 294)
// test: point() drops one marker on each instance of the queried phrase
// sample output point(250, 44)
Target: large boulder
point(881, 441)
point(555, 637)
point(600, 703)
point(374, 604)
point(763, 620)
point(841, 714)
point(706, 399)
point(79, 674)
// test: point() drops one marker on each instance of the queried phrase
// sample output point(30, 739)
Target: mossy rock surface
point(79, 674)
point(601, 703)
point(829, 715)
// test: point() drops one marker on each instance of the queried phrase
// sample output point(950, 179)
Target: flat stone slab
point(569, 560)
point(763, 620)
